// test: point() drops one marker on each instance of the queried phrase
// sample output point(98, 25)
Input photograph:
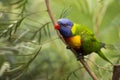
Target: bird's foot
point(80, 56)
point(68, 47)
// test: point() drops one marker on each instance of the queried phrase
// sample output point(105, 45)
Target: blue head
point(65, 27)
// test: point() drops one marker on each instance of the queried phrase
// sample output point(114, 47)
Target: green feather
point(89, 42)
point(104, 57)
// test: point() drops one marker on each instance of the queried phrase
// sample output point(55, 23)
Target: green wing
point(79, 29)
point(89, 42)
point(104, 57)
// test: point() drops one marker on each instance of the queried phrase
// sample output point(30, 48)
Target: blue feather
point(65, 27)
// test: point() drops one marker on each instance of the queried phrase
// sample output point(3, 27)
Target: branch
point(116, 72)
point(86, 66)
point(49, 12)
point(84, 63)
point(52, 18)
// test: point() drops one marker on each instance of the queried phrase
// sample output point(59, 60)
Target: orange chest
point(74, 41)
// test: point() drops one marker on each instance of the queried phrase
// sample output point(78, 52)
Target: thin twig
point(84, 63)
point(86, 66)
point(49, 11)
point(52, 18)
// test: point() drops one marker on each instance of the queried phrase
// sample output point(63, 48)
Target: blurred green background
point(31, 50)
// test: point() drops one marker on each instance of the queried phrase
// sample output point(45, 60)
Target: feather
point(104, 57)
point(80, 38)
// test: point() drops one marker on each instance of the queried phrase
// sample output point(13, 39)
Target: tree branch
point(49, 12)
point(116, 72)
point(84, 63)
point(86, 66)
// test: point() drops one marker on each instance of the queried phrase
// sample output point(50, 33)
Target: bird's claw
point(80, 56)
point(68, 47)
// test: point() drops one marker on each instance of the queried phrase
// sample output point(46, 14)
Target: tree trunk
point(116, 72)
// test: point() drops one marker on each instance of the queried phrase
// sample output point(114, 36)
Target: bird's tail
point(102, 45)
point(110, 46)
point(113, 47)
point(104, 57)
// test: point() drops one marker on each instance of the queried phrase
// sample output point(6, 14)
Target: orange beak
point(57, 26)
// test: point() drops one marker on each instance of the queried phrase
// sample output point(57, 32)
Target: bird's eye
point(64, 25)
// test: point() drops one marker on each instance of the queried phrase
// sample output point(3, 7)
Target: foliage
point(31, 50)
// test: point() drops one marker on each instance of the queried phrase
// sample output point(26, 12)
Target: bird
point(80, 38)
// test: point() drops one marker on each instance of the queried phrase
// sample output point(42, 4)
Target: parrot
point(80, 38)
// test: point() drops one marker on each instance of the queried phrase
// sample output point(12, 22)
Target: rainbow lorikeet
point(80, 38)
